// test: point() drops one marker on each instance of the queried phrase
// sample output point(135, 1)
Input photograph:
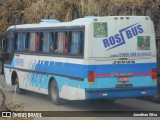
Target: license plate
point(124, 86)
point(123, 79)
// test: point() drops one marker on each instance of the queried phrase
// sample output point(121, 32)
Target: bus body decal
point(118, 39)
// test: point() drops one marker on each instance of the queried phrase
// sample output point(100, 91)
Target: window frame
point(53, 31)
point(8, 56)
point(76, 54)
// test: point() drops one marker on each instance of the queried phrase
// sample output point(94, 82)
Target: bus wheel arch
point(13, 78)
point(53, 91)
point(15, 81)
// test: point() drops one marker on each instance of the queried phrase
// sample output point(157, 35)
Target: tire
point(18, 90)
point(156, 98)
point(54, 92)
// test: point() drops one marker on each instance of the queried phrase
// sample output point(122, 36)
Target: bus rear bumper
point(120, 93)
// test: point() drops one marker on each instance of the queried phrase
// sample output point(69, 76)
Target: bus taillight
point(154, 73)
point(91, 77)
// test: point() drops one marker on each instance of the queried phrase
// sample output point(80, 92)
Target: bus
point(110, 57)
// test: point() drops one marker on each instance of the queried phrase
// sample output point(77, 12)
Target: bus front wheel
point(54, 92)
point(18, 90)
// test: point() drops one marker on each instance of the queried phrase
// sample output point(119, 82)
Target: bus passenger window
point(16, 41)
point(32, 41)
point(62, 42)
point(37, 42)
point(21, 41)
point(27, 42)
point(52, 43)
point(47, 41)
point(40, 41)
point(76, 45)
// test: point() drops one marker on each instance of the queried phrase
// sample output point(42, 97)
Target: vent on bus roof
point(49, 21)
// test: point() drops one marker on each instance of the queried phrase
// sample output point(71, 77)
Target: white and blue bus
point(108, 57)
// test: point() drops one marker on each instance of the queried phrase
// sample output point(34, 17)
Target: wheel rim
point(54, 91)
point(16, 83)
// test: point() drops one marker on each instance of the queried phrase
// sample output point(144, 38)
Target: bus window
point(9, 46)
point(10, 41)
point(41, 41)
point(37, 42)
point(62, 40)
point(47, 41)
point(27, 42)
point(21, 41)
point(52, 42)
point(76, 45)
point(32, 41)
point(16, 41)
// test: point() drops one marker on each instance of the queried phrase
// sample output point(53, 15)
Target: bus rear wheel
point(18, 90)
point(54, 92)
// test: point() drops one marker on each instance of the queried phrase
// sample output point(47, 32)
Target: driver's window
point(9, 46)
point(10, 41)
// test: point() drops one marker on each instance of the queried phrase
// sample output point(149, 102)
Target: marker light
point(154, 73)
point(144, 92)
point(121, 18)
point(147, 18)
point(91, 77)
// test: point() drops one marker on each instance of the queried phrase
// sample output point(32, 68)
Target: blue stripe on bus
point(78, 70)
point(42, 81)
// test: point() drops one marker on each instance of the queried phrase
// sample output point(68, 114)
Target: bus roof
point(77, 22)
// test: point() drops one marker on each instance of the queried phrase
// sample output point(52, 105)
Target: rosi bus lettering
point(118, 39)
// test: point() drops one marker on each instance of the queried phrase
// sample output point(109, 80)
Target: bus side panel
point(71, 89)
point(108, 84)
point(40, 83)
point(7, 76)
point(8, 72)
point(35, 74)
